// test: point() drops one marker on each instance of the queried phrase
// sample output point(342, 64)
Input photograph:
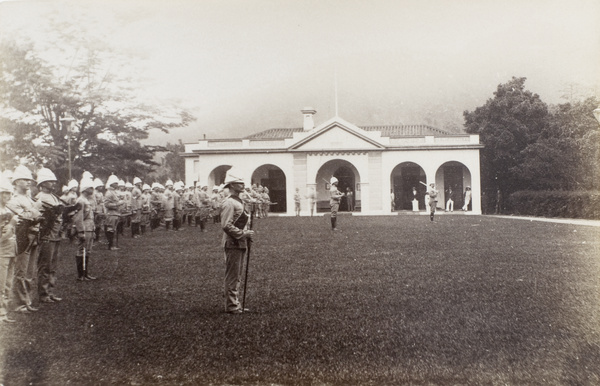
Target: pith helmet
point(136, 180)
point(231, 178)
point(98, 183)
point(121, 183)
point(146, 187)
point(333, 180)
point(5, 185)
point(86, 183)
point(169, 183)
point(112, 179)
point(87, 174)
point(22, 172)
point(45, 174)
point(128, 185)
point(73, 184)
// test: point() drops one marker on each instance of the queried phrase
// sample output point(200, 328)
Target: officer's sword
point(84, 253)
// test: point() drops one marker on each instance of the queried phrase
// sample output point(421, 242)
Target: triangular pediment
point(336, 134)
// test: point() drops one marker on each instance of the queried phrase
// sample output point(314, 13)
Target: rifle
point(248, 259)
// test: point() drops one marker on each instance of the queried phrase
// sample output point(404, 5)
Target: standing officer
point(136, 207)
point(84, 224)
point(99, 211)
point(113, 204)
point(334, 201)
point(51, 209)
point(432, 200)
point(202, 203)
point(8, 247)
point(27, 231)
point(235, 242)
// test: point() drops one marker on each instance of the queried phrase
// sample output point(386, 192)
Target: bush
point(555, 203)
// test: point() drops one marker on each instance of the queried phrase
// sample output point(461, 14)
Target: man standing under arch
point(334, 201)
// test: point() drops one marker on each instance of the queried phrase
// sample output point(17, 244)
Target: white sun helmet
point(22, 172)
point(73, 184)
point(86, 183)
point(5, 185)
point(45, 174)
point(112, 179)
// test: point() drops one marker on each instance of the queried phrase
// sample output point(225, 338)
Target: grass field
point(388, 300)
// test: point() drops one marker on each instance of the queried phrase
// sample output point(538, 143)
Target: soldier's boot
point(197, 221)
point(86, 275)
point(431, 216)
point(333, 223)
point(189, 219)
point(80, 272)
point(167, 225)
point(97, 232)
point(176, 225)
point(143, 229)
point(109, 238)
point(202, 226)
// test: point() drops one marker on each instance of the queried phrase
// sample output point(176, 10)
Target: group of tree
point(530, 145)
point(45, 111)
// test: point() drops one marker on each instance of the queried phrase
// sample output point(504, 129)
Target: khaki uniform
point(51, 209)
point(233, 222)
point(84, 223)
point(27, 231)
point(8, 252)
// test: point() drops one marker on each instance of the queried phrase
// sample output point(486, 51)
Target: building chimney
point(308, 113)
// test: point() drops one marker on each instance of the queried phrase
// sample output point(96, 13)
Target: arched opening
point(456, 176)
point(272, 177)
point(404, 178)
point(217, 176)
point(349, 181)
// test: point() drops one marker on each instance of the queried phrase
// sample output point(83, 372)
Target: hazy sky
point(246, 66)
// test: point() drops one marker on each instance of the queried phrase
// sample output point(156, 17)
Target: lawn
point(388, 300)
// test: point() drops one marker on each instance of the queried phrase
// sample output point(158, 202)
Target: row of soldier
point(34, 220)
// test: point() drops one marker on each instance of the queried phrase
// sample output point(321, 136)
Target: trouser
point(6, 274)
point(112, 222)
point(234, 262)
point(25, 272)
point(334, 211)
point(47, 263)
point(135, 228)
point(450, 205)
point(83, 253)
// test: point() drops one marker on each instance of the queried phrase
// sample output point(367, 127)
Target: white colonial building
point(373, 162)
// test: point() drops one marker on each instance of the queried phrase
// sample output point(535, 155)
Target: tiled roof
point(274, 134)
point(395, 131)
point(392, 131)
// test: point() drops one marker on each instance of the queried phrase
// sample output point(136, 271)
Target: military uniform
point(334, 201)
point(51, 209)
point(112, 204)
point(25, 268)
point(136, 210)
point(8, 252)
point(235, 243)
point(84, 224)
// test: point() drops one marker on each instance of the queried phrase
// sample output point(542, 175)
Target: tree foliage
point(532, 146)
point(108, 119)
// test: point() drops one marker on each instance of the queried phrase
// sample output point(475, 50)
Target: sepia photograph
point(299, 192)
